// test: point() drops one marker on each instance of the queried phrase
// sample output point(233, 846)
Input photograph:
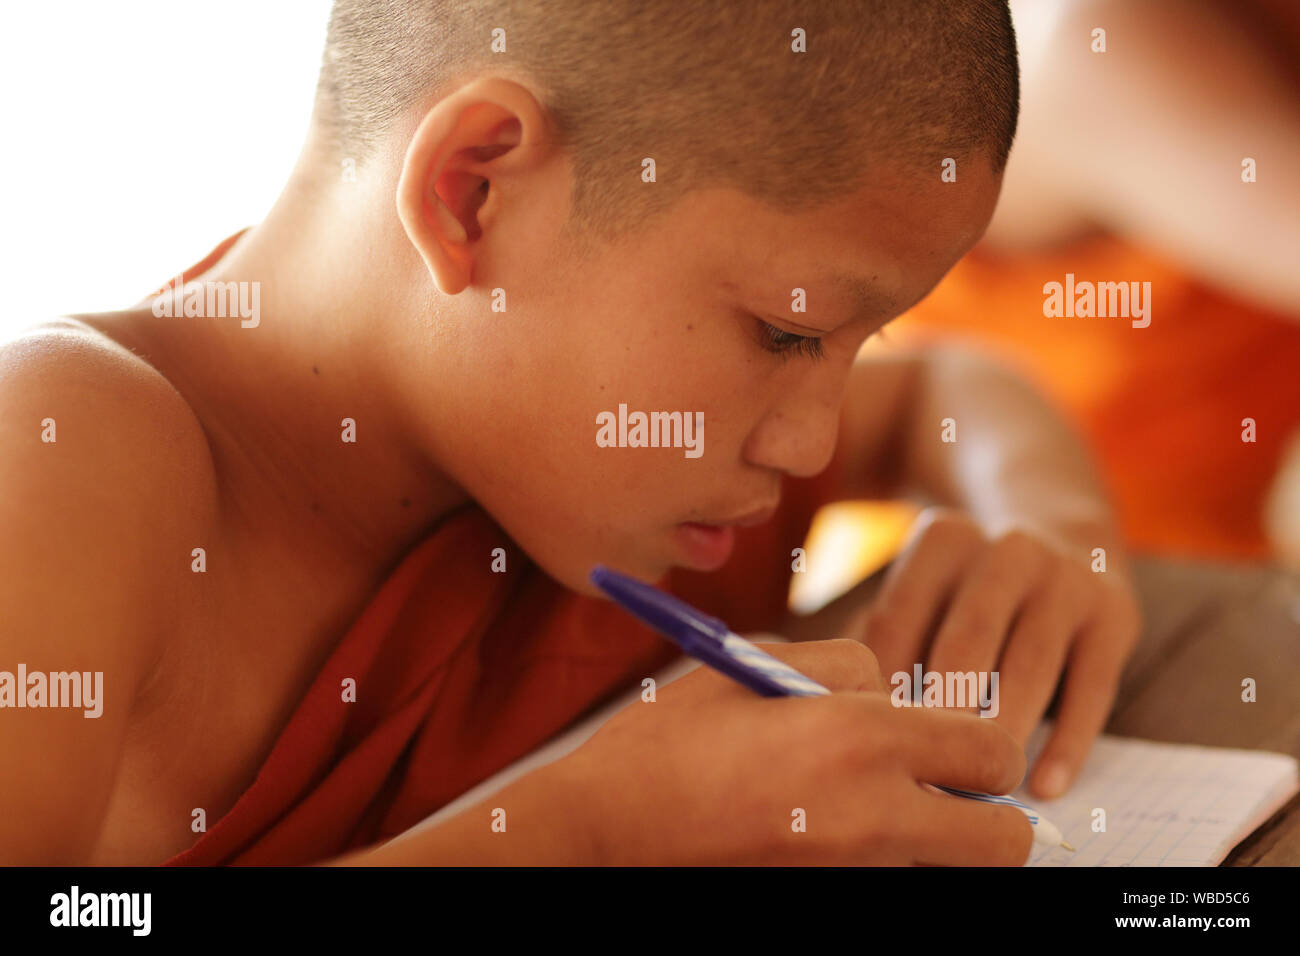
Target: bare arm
point(542, 826)
point(1015, 462)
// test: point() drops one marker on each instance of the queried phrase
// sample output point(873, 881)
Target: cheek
point(531, 428)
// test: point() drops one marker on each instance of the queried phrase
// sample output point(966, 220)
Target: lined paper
point(1165, 804)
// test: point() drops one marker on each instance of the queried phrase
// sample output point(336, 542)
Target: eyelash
point(787, 344)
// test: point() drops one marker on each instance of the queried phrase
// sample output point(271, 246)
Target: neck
point(273, 397)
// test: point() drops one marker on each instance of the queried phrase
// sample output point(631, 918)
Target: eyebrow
point(868, 300)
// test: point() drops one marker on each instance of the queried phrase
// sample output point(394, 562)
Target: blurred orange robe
point(1162, 407)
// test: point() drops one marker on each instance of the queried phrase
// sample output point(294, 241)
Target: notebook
point(1165, 804)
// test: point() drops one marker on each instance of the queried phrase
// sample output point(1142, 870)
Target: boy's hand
point(957, 600)
point(711, 773)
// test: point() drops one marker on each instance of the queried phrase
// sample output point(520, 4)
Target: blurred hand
point(957, 600)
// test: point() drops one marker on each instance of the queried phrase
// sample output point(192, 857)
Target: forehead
point(880, 248)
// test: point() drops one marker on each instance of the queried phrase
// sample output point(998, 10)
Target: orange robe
point(459, 672)
point(1162, 407)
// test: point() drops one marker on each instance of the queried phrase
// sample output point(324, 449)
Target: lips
point(708, 545)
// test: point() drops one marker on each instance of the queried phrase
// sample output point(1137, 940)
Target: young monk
point(331, 560)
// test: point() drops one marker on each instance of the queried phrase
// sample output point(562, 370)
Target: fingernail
point(1052, 780)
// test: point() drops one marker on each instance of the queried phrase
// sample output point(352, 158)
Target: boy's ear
point(447, 195)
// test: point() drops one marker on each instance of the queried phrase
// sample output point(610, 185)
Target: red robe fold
point(459, 672)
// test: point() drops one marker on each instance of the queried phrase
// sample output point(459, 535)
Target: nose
point(797, 435)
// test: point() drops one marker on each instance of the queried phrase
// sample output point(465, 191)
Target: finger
point(840, 664)
point(915, 594)
point(957, 749)
point(1091, 681)
point(1000, 580)
point(1034, 655)
point(953, 831)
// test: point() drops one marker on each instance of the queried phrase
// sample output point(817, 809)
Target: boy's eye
point(786, 343)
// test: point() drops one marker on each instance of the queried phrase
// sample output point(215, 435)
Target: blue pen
point(710, 640)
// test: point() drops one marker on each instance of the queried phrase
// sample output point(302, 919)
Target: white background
point(136, 134)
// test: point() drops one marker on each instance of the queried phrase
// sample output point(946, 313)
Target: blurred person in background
point(1134, 163)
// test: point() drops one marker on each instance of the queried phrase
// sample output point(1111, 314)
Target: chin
point(577, 578)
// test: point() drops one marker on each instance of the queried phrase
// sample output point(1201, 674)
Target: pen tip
point(1067, 846)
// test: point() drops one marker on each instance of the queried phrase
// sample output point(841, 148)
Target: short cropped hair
point(714, 91)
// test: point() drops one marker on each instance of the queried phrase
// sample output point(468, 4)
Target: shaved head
point(715, 93)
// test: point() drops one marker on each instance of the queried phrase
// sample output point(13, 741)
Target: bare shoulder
point(106, 484)
point(67, 387)
point(104, 469)
point(66, 360)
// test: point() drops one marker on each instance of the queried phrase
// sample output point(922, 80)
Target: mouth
point(708, 545)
